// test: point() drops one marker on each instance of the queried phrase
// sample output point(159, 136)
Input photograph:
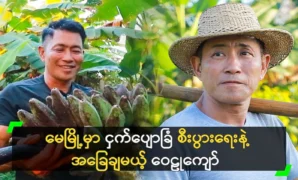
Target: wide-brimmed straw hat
point(231, 19)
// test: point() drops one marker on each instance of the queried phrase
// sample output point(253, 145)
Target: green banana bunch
point(136, 109)
point(114, 107)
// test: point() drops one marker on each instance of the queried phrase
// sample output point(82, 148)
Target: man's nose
point(68, 56)
point(233, 65)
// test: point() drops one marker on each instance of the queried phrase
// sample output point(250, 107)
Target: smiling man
point(230, 56)
point(62, 53)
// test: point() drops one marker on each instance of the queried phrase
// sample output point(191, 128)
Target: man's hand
point(47, 159)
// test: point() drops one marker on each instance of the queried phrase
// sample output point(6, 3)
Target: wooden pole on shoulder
point(256, 105)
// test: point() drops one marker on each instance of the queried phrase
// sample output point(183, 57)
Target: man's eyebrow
point(244, 45)
point(219, 45)
point(63, 45)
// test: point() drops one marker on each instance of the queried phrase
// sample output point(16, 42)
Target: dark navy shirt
point(17, 95)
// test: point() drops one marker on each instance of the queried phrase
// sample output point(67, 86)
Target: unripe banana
point(102, 106)
point(122, 90)
point(138, 90)
point(116, 117)
point(127, 110)
point(49, 102)
point(27, 118)
point(61, 109)
point(94, 92)
point(110, 94)
point(89, 115)
point(74, 108)
point(140, 109)
point(43, 113)
point(81, 95)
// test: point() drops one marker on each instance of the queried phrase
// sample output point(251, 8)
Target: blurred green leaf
point(92, 2)
point(202, 5)
point(92, 60)
point(34, 60)
point(268, 17)
point(110, 32)
point(161, 57)
point(48, 11)
point(20, 24)
point(13, 68)
point(127, 9)
point(7, 38)
point(12, 40)
point(99, 68)
point(180, 2)
point(130, 64)
point(9, 57)
point(16, 5)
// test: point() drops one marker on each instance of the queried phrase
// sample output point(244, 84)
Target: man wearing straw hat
point(230, 56)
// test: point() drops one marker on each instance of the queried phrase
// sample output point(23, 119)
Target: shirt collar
point(70, 90)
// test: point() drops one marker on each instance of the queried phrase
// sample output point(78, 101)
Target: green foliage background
point(134, 47)
point(128, 42)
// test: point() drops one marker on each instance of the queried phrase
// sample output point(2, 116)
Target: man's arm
point(4, 138)
point(8, 113)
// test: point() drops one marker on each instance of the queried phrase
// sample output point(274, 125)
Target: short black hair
point(64, 24)
point(199, 51)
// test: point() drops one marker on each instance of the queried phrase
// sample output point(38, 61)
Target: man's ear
point(41, 53)
point(196, 65)
point(265, 63)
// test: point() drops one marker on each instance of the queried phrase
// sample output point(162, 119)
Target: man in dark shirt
point(62, 52)
point(17, 95)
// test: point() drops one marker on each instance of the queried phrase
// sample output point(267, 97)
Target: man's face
point(231, 68)
point(62, 55)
